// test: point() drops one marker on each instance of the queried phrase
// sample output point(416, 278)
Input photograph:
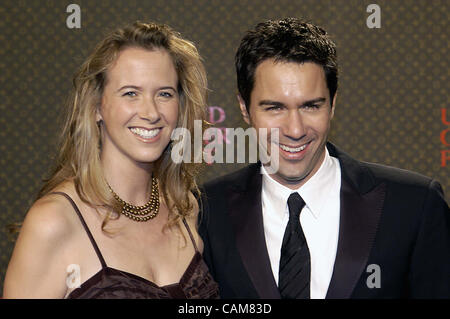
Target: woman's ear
point(98, 117)
point(98, 114)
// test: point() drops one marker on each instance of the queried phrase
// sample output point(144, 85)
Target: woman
point(140, 83)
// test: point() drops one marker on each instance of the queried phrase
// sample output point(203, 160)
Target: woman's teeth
point(145, 133)
point(292, 149)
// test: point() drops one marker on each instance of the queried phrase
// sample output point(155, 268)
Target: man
point(324, 225)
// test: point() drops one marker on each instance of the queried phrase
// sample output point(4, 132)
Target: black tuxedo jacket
point(390, 217)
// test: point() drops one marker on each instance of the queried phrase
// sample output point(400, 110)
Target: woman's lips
point(145, 134)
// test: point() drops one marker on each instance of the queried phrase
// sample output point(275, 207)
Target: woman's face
point(139, 106)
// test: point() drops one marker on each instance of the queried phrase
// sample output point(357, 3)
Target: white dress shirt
point(319, 220)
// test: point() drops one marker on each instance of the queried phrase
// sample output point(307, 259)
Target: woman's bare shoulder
point(52, 217)
point(36, 268)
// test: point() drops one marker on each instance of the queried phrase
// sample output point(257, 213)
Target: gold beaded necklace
point(141, 213)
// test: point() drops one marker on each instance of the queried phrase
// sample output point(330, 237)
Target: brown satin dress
point(111, 283)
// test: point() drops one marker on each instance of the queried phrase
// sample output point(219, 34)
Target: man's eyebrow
point(314, 101)
point(270, 102)
point(306, 103)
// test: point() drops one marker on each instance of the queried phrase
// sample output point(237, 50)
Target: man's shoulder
point(401, 184)
point(377, 173)
point(400, 176)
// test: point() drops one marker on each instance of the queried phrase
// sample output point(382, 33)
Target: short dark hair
point(286, 40)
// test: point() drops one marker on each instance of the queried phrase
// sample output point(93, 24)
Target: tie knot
point(295, 204)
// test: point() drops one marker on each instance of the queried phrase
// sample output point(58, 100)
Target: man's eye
point(273, 108)
point(130, 93)
point(312, 106)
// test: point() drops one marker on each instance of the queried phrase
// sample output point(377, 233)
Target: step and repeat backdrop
point(393, 97)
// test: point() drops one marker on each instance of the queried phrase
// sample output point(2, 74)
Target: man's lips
point(294, 151)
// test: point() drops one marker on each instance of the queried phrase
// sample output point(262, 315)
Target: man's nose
point(294, 127)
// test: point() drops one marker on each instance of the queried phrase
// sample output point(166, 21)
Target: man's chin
point(290, 179)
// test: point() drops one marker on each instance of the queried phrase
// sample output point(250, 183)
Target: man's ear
point(333, 106)
point(243, 108)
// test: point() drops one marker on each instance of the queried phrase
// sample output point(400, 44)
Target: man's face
point(294, 98)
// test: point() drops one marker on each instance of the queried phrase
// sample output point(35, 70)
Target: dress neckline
point(110, 270)
point(182, 278)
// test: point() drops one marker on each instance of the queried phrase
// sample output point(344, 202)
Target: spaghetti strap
point(190, 234)
point(86, 228)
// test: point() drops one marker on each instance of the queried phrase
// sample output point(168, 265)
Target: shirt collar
point(275, 193)
point(313, 191)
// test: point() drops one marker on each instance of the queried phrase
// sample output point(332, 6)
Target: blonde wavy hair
point(79, 154)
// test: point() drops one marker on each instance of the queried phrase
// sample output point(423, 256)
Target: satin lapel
point(246, 216)
point(360, 214)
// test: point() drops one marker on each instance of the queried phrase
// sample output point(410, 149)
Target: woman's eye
point(130, 93)
point(165, 94)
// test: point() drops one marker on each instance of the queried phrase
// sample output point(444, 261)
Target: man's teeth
point(292, 149)
point(145, 133)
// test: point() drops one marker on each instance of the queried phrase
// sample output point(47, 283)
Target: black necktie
point(295, 261)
